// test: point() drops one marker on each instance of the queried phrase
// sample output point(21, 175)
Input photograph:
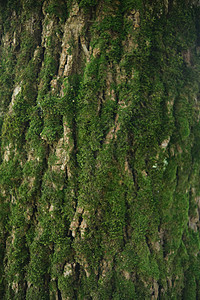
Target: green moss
point(86, 4)
point(190, 287)
point(128, 192)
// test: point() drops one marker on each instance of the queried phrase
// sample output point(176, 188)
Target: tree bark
point(99, 165)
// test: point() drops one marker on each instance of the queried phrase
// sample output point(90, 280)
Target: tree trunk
point(100, 149)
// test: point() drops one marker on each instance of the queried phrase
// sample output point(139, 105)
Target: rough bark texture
point(100, 149)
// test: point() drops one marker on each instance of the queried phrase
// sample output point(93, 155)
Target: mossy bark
point(99, 164)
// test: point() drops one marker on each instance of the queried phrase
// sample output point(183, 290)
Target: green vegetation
point(99, 163)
